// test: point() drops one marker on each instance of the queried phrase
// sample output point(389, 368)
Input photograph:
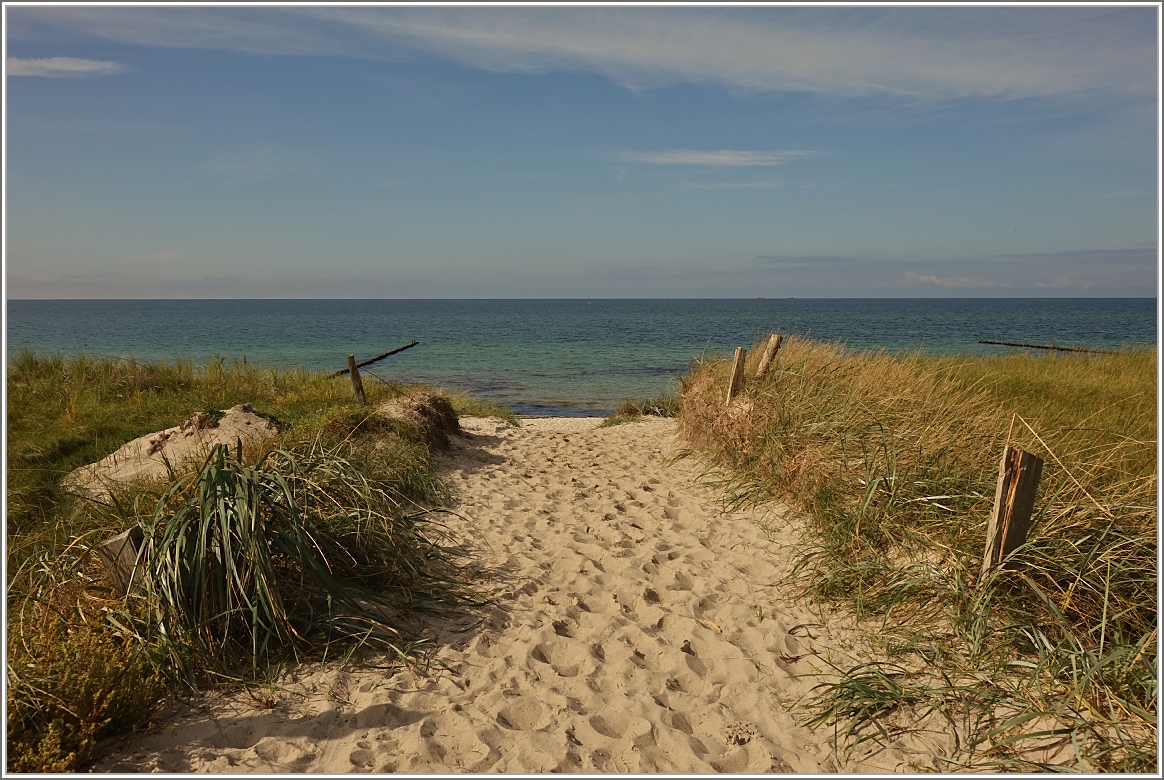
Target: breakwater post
point(1014, 500)
point(737, 381)
point(1045, 346)
point(769, 353)
point(357, 383)
point(376, 359)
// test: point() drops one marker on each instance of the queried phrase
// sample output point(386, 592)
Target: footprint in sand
point(279, 752)
point(362, 759)
point(606, 658)
point(524, 715)
point(705, 605)
point(565, 658)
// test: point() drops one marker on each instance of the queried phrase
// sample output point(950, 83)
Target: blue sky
point(396, 152)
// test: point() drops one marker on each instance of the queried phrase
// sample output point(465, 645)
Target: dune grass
point(1049, 662)
point(324, 536)
point(244, 561)
point(468, 406)
point(631, 410)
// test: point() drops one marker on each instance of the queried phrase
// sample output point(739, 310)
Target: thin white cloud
point(954, 282)
point(737, 185)
point(62, 67)
point(722, 157)
point(927, 53)
point(1094, 273)
point(923, 278)
point(817, 50)
point(1066, 282)
point(808, 260)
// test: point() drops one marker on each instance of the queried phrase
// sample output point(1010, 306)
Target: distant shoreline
point(553, 356)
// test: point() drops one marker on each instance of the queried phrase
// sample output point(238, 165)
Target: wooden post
point(119, 557)
point(769, 353)
point(737, 381)
point(378, 358)
point(357, 383)
point(1014, 500)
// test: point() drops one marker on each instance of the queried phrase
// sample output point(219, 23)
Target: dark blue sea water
point(554, 356)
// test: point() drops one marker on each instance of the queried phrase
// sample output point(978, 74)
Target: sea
point(569, 357)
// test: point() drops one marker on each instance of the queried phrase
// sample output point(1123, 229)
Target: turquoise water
point(554, 356)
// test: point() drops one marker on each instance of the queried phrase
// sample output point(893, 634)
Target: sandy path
point(640, 632)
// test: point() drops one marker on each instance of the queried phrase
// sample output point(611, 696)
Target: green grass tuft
point(468, 406)
point(242, 563)
point(631, 411)
point(233, 573)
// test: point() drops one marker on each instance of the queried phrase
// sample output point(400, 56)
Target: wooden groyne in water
point(1043, 346)
point(376, 359)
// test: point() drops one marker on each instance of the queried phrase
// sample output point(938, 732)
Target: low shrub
point(71, 679)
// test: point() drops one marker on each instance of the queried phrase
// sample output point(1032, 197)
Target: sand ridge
point(639, 629)
point(153, 456)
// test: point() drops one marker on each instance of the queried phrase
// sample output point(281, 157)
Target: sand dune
point(640, 631)
point(151, 457)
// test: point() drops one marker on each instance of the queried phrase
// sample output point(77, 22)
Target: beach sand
point(640, 629)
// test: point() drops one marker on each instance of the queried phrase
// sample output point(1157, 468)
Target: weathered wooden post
point(737, 381)
point(119, 557)
point(1014, 500)
point(769, 353)
point(378, 358)
point(357, 383)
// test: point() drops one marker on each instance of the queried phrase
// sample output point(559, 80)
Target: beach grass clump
point(632, 410)
point(468, 406)
point(65, 412)
point(244, 563)
point(1047, 662)
point(357, 484)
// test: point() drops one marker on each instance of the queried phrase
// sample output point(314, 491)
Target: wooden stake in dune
point(737, 381)
point(1014, 500)
point(119, 556)
point(357, 383)
point(769, 353)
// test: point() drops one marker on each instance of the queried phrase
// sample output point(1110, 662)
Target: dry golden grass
point(894, 460)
